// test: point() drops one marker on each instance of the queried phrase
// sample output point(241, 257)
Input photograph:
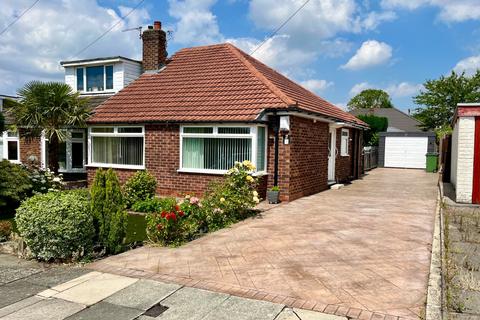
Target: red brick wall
point(309, 157)
point(29, 146)
point(343, 164)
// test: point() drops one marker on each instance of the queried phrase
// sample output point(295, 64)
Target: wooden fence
point(370, 158)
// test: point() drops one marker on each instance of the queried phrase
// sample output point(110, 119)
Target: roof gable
point(398, 121)
point(211, 83)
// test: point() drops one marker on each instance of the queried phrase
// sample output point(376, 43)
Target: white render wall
point(463, 140)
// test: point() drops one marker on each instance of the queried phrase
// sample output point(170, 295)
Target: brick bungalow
point(187, 119)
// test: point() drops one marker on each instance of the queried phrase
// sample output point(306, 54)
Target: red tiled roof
point(211, 83)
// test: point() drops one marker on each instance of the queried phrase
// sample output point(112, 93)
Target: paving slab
point(52, 309)
point(287, 314)
point(143, 294)
point(245, 309)
point(18, 290)
point(96, 288)
point(191, 304)
point(9, 274)
point(56, 276)
point(311, 315)
point(106, 311)
point(19, 305)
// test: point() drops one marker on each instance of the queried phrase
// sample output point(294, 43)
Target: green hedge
point(57, 225)
point(377, 124)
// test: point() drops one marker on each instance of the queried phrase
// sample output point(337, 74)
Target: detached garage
point(404, 144)
point(405, 149)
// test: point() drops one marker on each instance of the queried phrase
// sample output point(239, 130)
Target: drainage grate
point(156, 310)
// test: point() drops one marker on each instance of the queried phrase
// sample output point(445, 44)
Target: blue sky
point(334, 47)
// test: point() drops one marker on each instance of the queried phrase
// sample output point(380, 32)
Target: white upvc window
point(94, 78)
point(10, 146)
point(215, 148)
point(117, 147)
point(344, 142)
point(71, 152)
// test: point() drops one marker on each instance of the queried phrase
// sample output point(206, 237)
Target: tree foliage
point(2, 122)
point(370, 99)
point(50, 107)
point(441, 96)
point(377, 124)
point(108, 209)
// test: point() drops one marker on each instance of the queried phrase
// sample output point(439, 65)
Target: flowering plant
point(170, 225)
point(44, 181)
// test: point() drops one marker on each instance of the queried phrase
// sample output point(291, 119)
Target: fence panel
point(370, 158)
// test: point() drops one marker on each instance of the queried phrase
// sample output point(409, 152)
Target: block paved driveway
point(361, 251)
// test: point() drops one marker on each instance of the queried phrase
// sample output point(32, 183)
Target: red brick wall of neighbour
point(29, 146)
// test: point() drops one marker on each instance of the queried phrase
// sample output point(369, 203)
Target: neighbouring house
point(9, 139)
point(404, 144)
point(465, 153)
point(187, 119)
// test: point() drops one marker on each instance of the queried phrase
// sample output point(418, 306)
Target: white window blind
point(217, 148)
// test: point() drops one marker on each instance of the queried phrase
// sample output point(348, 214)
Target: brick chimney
point(154, 47)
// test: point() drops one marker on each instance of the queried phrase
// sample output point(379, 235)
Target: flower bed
point(172, 222)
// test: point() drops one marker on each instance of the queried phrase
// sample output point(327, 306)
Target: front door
point(332, 153)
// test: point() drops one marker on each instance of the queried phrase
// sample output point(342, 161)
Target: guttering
point(294, 111)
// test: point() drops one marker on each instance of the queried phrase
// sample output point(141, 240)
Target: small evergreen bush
point(141, 186)
point(57, 225)
point(108, 209)
point(15, 185)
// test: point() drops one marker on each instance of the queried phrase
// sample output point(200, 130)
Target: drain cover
point(156, 310)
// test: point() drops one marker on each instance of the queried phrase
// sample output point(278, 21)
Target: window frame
point(346, 140)
point(115, 134)
point(5, 140)
point(252, 136)
point(104, 78)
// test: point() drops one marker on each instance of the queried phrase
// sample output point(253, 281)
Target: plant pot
point(273, 196)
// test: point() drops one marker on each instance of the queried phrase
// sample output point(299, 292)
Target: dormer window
point(95, 78)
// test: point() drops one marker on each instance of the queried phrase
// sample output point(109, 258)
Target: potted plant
point(273, 195)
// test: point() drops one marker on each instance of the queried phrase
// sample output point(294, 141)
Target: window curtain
point(118, 150)
point(260, 149)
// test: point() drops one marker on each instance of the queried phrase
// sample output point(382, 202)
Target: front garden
point(108, 218)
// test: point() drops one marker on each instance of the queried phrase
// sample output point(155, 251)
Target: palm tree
point(50, 107)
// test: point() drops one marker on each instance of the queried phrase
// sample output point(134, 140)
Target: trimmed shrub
point(108, 209)
point(152, 205)
point(139, 187)
point(5, 230)
point(44, 181)
point(15, 185)
point(56, 225)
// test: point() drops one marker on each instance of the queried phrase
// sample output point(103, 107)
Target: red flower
point(181, 214)
point(164, 214)
point(171, 216)
point(159, 226)
point(177, 208)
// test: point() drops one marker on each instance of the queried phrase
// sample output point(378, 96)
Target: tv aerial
point(139, 29)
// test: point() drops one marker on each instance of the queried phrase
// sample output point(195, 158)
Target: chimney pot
point(157, 25)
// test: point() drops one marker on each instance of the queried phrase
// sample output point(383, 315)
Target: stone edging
point(434, 306)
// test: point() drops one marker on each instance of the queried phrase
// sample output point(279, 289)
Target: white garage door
point(405, 152)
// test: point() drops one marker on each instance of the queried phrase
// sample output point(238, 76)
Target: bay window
point(215, 149)
point(94, 78)
point(121, 147)
point(10, 146)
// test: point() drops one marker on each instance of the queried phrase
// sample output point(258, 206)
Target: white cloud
point(316, 85)
point(196, 24)
point(468, 65)
point(359, 87)
point(55, 30)
point(319, 19)
point(371, 53)
point(403, 89)
point(450, 10)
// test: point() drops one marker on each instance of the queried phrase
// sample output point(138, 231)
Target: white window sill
point(72, 171)
point(344, 155)
point(115, 166)
point(216, 172)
